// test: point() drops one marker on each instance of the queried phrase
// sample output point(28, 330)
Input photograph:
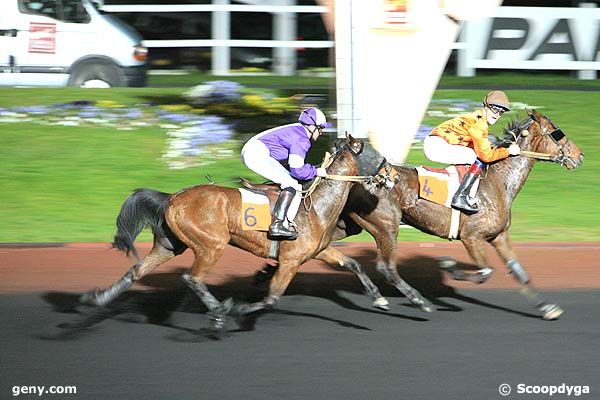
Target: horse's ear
point(348, 136)
point(535, 115)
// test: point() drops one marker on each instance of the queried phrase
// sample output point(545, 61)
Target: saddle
point(439, 184)
point(271, 190)
point(462, 169)
point(258, 202)
point(257, 216)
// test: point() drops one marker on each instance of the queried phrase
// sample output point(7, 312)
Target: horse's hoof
point(483, 275)
point(551, 312)
point(216, 322)
point(90, 298)
point(382, 303)
point(426, 306)
point(446, 263)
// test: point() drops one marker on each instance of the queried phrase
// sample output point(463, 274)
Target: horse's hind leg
point(206, 256)
point(157, 256)
point(502, 245)
point(334, 257)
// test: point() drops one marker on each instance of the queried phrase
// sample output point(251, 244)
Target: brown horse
point(206, 218)
point(380, 212)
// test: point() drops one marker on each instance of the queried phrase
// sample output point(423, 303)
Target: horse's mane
point(513, 129)
point(515, 126)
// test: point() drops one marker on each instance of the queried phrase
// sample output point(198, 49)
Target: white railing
point(283, 45)
point(214, 7)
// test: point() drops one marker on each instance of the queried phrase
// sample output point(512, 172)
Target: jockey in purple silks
point(278, 154)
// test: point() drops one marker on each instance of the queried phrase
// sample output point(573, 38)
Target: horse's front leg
point(207, 252)
point(476, 248)
point(335, 257)
point(502, 245)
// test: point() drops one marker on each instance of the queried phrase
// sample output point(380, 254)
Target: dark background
point(257, 26)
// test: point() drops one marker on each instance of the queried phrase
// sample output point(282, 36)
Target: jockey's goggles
point(497, 109)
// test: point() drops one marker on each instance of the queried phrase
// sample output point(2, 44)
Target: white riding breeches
point(255, 155)
point(437, 149)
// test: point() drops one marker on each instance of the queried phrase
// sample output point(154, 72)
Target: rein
point(539, 156)
point(327, 160)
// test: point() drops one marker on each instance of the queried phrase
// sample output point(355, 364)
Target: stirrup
point(278, 231)
point(462, 203)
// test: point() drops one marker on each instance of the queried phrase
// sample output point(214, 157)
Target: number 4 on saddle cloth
point(439, 184)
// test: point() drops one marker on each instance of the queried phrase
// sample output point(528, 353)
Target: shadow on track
point(169, 296)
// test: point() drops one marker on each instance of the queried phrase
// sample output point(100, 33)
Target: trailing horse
point(206, 218)
point(380, 212)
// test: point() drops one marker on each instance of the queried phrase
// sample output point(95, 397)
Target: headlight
point(140, 53)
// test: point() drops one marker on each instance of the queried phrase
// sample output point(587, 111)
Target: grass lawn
point(67, 183)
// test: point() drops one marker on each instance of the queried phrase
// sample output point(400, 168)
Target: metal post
point(284, 28)
point(589, 73)
point(221, 59)
point(463, 50)
point(350, 32)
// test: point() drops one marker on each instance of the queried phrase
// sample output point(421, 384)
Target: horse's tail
point(143, 208)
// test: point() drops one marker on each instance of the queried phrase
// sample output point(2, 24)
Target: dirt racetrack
point(81, 266)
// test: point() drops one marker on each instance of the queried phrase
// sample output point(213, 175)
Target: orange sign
point(396, 12)
point(433, 189)
point(42, 38)
point(255, 217)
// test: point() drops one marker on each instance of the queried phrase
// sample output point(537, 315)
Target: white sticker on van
point(42, 37)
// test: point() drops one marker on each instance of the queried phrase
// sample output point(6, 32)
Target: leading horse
point(206, 218)
point(380, 212)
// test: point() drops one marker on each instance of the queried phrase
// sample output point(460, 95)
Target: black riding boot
point(277, 228)
point(462, 199)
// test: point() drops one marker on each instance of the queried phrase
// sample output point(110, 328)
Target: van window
point(61, 10)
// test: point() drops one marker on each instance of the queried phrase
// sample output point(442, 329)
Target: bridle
point(381, 179)
point(556, 135)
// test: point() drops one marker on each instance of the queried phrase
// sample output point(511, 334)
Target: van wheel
point(96, 74)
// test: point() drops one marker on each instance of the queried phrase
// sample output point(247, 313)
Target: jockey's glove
point(321, 172)
point(514, 149)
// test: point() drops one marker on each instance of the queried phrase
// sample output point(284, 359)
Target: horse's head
point(537, 133)
point(368, 160)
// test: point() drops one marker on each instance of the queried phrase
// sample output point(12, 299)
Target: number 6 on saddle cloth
point(256, 209)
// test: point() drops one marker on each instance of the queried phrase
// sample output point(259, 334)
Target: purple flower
point(423, 131)
point(38, 110)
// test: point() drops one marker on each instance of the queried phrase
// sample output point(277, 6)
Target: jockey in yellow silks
point(464, 140)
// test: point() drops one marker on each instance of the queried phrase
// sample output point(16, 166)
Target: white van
point(67, 43)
